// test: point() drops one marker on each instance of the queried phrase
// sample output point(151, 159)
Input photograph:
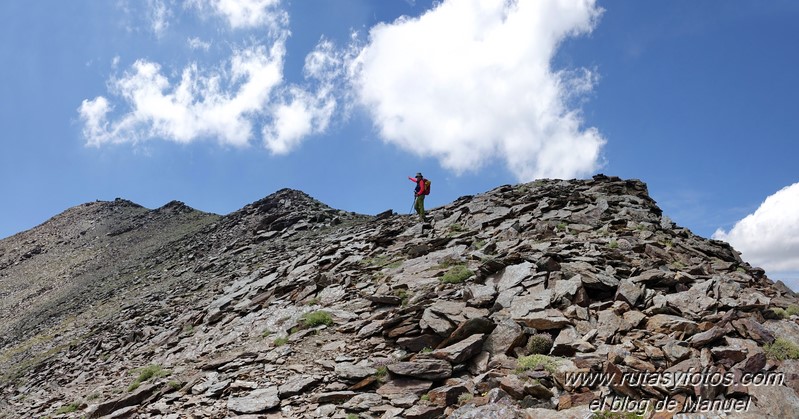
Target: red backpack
point(427, 186)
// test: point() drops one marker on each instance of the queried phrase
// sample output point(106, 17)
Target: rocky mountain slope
point(289, 308)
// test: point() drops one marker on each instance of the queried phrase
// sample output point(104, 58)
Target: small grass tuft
point(540, 343)
point(549, 363)
point(402, 293)
point(72, 407)
point(782, 349)
point(456, 228)
point(146, 373)
point(456, 275)
point(280, 341)
point(394, 265)
point(464, 397)
point(317, 318)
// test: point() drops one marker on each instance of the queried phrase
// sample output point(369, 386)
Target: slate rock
point(256, 401)
point(401, 386)
point(296, 385)
point(352, 372)
point(462, 351)
point(506, 336)
point(544, 320)
point(426, 369)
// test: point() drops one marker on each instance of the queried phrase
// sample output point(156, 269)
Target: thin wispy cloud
point(472, 81)
point(244, 13)
point(769, 237)
point(159, 14)
point(196, 43)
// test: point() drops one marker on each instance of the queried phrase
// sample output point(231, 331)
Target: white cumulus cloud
point(769, 237)
point(471, 81)
point(303, 112)
point(232, 102)
point(215, 104)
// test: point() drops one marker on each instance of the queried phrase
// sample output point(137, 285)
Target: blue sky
point(219, 103)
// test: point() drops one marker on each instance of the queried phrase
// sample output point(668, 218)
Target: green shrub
point(456, 228)
point(792, 310)
point(447, 262)
point(613, 244)
point(426, 350)
point(317, 318)
point(175, 385)
point(534, 361)
point(381, 372)
point(146, 373)
point(394, 265)
point(782, 349)
point(539, 343)
point(280, 341)
point(456, 275)
point(72, 407)
point(352, 416)
point(402, 293)
point(464, 397)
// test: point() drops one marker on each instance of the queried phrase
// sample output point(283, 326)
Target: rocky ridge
point(289, 308)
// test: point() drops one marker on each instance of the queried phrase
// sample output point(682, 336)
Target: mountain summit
point(551, 299)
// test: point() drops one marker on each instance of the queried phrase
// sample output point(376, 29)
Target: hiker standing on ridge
point(422, 189)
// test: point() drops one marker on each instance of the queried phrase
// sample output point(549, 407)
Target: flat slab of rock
point(138, 396)
point(296, 385)
point(461, 351)
point(257, 401)
point(524, 304)
point(427, 369)
point(334, 396)
point(506, 336)
point(424, 412)
point(545, 320)
point(513, 275)
point(351, 372)
point(401, 386)
point(666, 323)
